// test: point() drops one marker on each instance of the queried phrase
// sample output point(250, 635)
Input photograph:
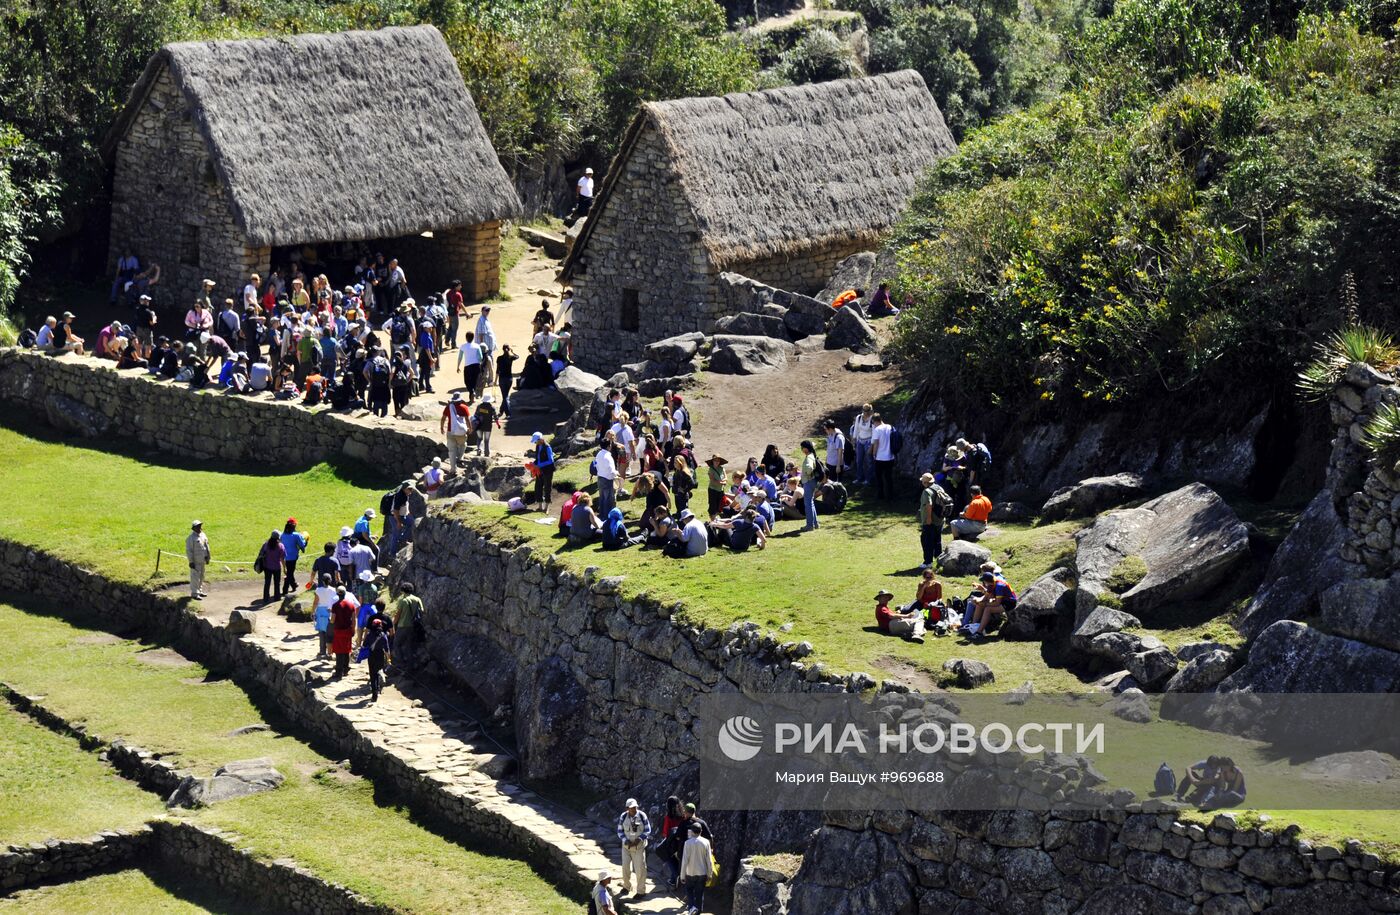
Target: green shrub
point(1382, 436)
point(1110, 600)
point(1320, 377)
point(1126, 574)
point(819, 55)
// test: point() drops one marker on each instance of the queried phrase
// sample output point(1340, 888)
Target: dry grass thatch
point(344, 136)
point(776, 172)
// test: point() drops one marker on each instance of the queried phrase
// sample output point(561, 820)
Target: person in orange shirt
point(973, 521)
point(847, 297)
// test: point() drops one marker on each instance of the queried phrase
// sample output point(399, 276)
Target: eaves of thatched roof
point(781, 171)
point(342, 136)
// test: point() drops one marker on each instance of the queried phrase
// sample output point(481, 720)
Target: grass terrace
point(122, 891)
point(321, 816)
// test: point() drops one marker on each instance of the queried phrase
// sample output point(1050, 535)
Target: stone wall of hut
point(170, 208)
point(471, 254)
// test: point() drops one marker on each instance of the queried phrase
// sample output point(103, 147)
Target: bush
point(1320, 377)
point(1126, 575)
point(818, 56)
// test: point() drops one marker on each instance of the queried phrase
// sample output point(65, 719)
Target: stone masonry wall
point(92, 395)
point(1366, 493)
point(164, 185)
point(471, 254)
point(806, 273)
point(58, 859)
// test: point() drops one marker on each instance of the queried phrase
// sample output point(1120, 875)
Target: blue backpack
point(896, 440)
point(1165, 782)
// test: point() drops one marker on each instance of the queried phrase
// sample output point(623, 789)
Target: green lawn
point(122, 891)
point(823, 583)
point(51, 789)
point(125, 503)
point(323, 816)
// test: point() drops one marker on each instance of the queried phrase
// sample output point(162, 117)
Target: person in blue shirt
point(765, 482)
point(294, 542)
point(362, 526)
point(543, 456)
point(764, 515)
point(996, 599)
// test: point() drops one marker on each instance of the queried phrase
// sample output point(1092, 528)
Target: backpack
point(983, 456)
point(848, 454)
point(833, 498)
point(896, 440)
point(819, 474)
point(28, 338)
point(379, 369)
point(942, 502)
point(386, 502)
point(1165, 780)
point(398, 330)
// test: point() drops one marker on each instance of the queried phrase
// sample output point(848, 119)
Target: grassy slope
point(114, 507)
point(49, 788)
point(123, 891)
point(322, 816)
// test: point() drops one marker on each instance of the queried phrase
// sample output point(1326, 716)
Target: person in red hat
point(294, 542)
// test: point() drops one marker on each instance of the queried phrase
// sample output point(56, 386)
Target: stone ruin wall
point(1365, 492)
point(79, 393)
point(163, 181)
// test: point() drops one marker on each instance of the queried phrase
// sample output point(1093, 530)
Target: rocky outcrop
point(675, 351)
point(229, 781)
point(753, 325)
point(1041, 606)
point(961, 558)
point(577, 386)
point(69, 415)
point(1203, 672)
point(1189, 541)
point(1091, 496)
point(849, 330)
point(734, 355)
point(1290, 657)
point(1307, 563)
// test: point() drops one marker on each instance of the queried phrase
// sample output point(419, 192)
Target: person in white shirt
point(486, 339)
point(678, 415)
point(326, 596)
point(455, 424)
point(432, 476)
point(197, 553)
point(697, 866)
point(606, 468)
point(883, 455)
point(861, 431)
point(835, 450)
point(602, 898)
point(693, 538)
point(584, 193)
point(469, 358)
point(250, 291)
point(622, 434)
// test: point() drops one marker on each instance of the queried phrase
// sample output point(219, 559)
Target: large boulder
point(969, 673)
point(1153, 666)
point(578, 386)
point(1096, 622)
point(961, 559)
point(539, 400)
point(854, 272)
point(241, 621)
point(235, 779)
point(1091, 496)
point(675, 350)
point(1202, 672)
point(1189, 541)
point(1364, 609)
point(71, 415)
point(1290, 657)
point(736, 355)
point(753, 325)
point(849, 330)
point(1307, 563)
point(805, 316)
point(1040, 607)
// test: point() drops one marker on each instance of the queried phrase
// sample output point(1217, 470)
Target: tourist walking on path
point(483, 421)
point(342, 631)
point(505, 375)
point(197, 552)
point(326, 597)
point(543, 456)
point(455, 423)
point(861, 431)
point(469, 362)
point(378, 645)
point(697, 865)
point(934, 505)
point(811, 482)
point(408, 621)
point(601, 896)
point(634, 831)
point(270, 559)
point(294, 542)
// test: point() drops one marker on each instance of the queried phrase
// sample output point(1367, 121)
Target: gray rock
point(578, 386)
point(1099, 621)
point(574, 231)
point(1004, 512)
point(1189, 539)
point(241, 622)
point(1021, 694)
point(1275, 866)
point(752, 325)
point(655, 387)
point(805, 316)
point(754, 895)
point(854, 272)
point(1364, 609)
point(773, 310)
point(849, 330)
point(870, 362)
point(1203, 672)
point(970, 673)
point(1134, 900)
point(1132, 705)
point(1091, 496)
point(550, 707)
point(1152, 667)
point(70, 415)
point(1015, 828)
point(675, 350)
point(1040, 607)
point(961, 558)
point(1118, 647)
point(1354, 766)
point(734, 355)
point(1289, 657)
point(553, 244)
point(1307, 563)
point(1163, 872)
point(1192, 650)
point(539, 400)
point(235, 779)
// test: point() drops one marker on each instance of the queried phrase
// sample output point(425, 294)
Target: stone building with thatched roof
point(777, 185)
point(234, 156)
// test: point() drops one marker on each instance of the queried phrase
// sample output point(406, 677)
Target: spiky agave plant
point(1357, 343)
point(1382, 436)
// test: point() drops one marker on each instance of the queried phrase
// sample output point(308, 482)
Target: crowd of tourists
point(684, 843)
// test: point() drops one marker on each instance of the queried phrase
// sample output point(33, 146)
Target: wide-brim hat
point(345, 532)
point(488, 398)
point(882, 594)
point(366, 575)
point(715, 457)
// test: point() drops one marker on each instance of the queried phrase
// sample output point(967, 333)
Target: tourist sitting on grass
point(764, 513)
point(972, 523)
point(909, 625)
point(930, 591)
point(764, 482)
point(658, 527)
point(615, 532)
point(792, 501)
point(740, 532)
point(584, 525)
point(990, 606)
point(652, 488)
point(691, 539)
point(1212, 783)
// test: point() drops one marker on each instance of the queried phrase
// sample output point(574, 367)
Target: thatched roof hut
point(777, 185)
point(784, 170)
point(351, 135)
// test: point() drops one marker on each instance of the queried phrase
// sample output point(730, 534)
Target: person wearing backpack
point(813, 475)
point(882, 452)
point(934, 506)
point(835, 450)
point(377, 373)
point(600, 900)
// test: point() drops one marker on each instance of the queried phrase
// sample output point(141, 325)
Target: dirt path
point(738, 415)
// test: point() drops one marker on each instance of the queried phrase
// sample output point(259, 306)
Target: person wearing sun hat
point(601, 895)
point(909, 625)
point(197, 553)
point(633, 831)
point(362, 526)
point(343, 546)
point(715, 469)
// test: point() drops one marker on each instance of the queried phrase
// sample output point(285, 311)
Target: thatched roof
point(778, 171)
point(343, 136)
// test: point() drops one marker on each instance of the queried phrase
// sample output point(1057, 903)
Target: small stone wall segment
point(1097, 864)
point(67, 859)
point(206, 425)
point(1365, 492)
point(565, 847)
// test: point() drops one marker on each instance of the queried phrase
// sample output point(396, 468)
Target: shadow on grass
point(179, 884)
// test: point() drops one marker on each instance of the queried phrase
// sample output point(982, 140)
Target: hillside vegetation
point(1186, 215)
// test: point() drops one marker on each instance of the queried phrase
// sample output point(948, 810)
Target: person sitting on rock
point(910, 624)
point(846, 298)
point(994, 601)
point(972, 523)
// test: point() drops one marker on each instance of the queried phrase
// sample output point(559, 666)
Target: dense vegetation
point(1185, 214)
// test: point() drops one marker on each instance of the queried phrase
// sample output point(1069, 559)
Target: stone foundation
point(68, 859)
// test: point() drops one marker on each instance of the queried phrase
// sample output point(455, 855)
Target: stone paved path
point(412, 723)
